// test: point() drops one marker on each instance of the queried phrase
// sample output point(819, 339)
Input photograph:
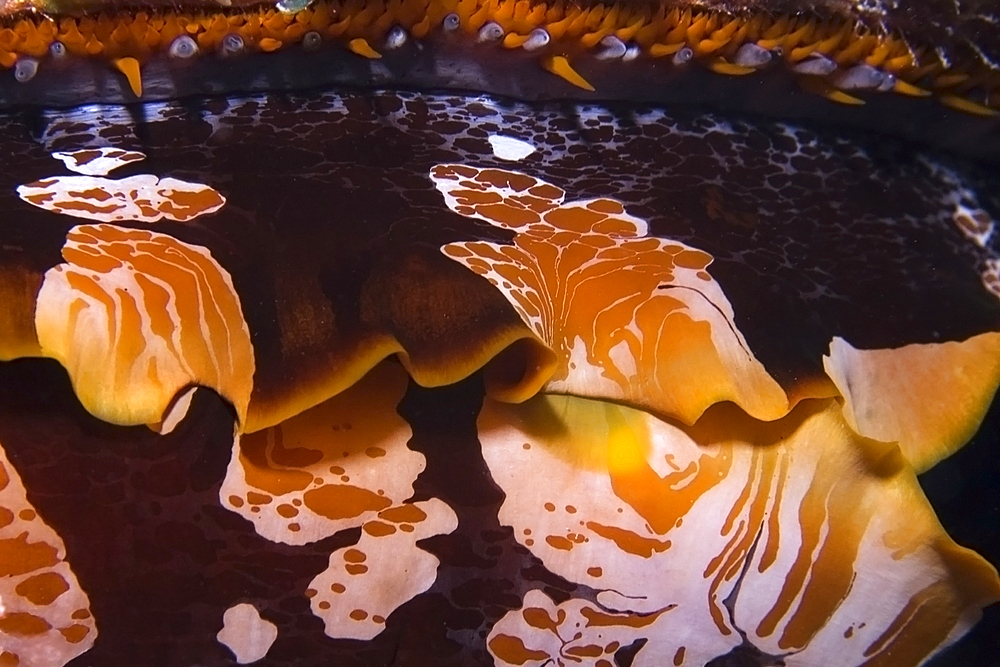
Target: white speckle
point(246, 634)
point(509, 148)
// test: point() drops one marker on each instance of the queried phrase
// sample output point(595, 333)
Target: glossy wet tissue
point(499, 332)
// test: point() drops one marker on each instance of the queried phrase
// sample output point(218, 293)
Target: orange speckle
point(559, 542)
point(255, 498)
point(269, 44)
point(130, 68)
point(361, 47)
point(359, 614)
point(75, 633)
point(287, 511)
point(378, 528)
point(355, 556)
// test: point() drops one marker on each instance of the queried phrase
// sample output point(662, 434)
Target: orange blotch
point(75, 634)
point(343, 501)
point(537, 617)
point(512, 650)
point(23, 624)
point(378, 529)
point(260, 474)
point(403, 514)
point(258, 498)
point(42, 589)
point(287, 511)
point(18, 556)
point(559, 542)
point(628, 541)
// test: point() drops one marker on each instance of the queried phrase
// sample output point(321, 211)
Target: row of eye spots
point(834, 58)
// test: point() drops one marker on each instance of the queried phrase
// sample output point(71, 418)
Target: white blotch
point(976, 224)
point(611, 48)
point(233, 43)
point(816, 65)
point(509, 148)
point(246, 634)
point(752, 55)
point(991, 277)
point(25, 69)
point(537, 38)
point(491, 32)
point(396, 38)
point(859, 77)
point(183, 47)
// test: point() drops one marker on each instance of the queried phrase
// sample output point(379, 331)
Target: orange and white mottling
point(136, 316)
point(332, 467)
point(576, 632)
point(98, 161)
point(139, 198)
point(344, 464)
point(45, 618)
point(928, 397)
point(366, 582)
point(632, 317)
point(782, 533)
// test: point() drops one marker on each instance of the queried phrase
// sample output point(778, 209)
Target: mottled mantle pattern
point(151, 546)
